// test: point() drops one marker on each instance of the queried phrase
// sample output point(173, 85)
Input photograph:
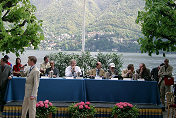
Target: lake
point(128, 58)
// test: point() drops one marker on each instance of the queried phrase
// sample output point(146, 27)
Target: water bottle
point(51, 74)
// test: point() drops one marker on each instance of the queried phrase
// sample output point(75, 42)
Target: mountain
point(62, 20)
point(118, 16)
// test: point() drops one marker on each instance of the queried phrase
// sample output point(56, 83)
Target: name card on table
point(98, 78)
point(114, 79)
point(128, 79)
point(69, 77)
point(73, 78)
point(44, 77)
point(141, 79)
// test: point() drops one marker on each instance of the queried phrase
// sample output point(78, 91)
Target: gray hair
point(73, 60)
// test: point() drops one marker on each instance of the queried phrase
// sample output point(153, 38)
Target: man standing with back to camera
point(31, 88)
point(5, 75)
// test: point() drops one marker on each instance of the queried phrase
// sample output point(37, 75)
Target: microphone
point(25, 64)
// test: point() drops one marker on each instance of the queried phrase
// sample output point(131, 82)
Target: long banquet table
point(74, 90)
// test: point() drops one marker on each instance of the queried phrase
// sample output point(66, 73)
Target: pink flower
point(121, 107)
point(81, 103)
point(86, 106)
point(46, 105)
point(87, 103)
point(81, 107)
point(50, 104)
point(37, 105)
point(125, 105)
point(41, 105)
point(130, 105)
point(46, 101)
point(75, 105)
point(117, 104)
point(40, 102)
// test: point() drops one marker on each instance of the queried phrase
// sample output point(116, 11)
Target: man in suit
point(165, 71)
point(143, 72)
point(154, 72)
point(5, 75)
point(97, 72)
point(31, 88)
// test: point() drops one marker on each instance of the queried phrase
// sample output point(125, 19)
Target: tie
point(30, 69)
point(98, 72)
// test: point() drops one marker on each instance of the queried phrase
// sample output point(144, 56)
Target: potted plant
point(45, 109)
point(82, 110)
point(125, 110)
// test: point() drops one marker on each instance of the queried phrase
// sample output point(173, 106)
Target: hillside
point(62, 20)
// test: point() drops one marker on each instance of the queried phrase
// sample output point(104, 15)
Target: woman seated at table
point(16, 68)
point(52, 71)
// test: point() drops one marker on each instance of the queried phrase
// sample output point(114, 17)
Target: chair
point(170, 104)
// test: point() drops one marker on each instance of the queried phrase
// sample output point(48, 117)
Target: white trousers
point(29, 105)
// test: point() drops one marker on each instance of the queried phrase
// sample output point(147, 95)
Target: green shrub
point(85, 61)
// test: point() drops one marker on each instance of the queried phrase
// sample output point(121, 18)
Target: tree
point(19, 27)
point(158, 22)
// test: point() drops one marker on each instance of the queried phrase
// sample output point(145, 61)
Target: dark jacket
point(145, 74)
point(154, 74)
point(55, 71)
point(4, 75)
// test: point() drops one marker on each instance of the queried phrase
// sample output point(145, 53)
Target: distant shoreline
point(101, 52)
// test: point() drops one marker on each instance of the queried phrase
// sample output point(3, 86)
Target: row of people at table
point(158, 74)
point(75, 71)
point(47, 68)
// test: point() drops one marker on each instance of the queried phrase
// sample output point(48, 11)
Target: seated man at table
point(129, 72)
point(44, 65)
point(112, 72)
point(52, 71)
point(143, 72)
point(72, 70)
point(97, 72)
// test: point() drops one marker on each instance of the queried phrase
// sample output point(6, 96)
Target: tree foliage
point(158, 22)
point(19, 27)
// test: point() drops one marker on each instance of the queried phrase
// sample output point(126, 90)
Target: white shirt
point(68, 72)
